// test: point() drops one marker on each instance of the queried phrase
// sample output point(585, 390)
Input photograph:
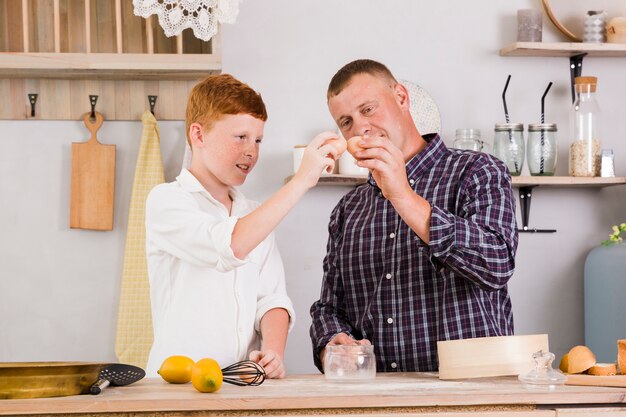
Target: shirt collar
point(427, 157)
point(424, 160)
point(190, 183)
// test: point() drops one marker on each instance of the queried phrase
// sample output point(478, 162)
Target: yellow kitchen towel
point(134, 322)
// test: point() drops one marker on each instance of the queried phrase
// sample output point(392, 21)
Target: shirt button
point(394, 365)
point(389, 320)
point(442, 270)
point(411, 181)
point(388, 276)
point(392, 235)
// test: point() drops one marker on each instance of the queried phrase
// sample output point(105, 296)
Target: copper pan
point(47, 379)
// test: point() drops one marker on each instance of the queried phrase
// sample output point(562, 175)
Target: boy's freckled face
point(232, 147)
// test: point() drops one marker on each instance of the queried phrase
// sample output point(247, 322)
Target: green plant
point(616, 236)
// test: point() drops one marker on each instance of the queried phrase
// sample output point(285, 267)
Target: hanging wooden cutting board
point(93, 181)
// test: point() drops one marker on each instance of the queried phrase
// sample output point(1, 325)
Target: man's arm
point(478, 244)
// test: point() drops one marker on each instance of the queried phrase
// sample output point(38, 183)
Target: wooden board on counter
point(313, 394)
point(596, 380)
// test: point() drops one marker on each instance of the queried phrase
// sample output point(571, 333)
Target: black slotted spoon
point(117, 374)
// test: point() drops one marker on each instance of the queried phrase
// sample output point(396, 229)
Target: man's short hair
point(361, 66)
point(219, 95)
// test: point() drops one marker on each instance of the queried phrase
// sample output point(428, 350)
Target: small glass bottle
point(468, 139)
point(584, 151)
point(508, 145)
point(541, 149)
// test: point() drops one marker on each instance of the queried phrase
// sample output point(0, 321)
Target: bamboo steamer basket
point(488, 356)
point(47, 379)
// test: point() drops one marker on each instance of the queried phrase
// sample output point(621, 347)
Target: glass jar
point(541, 149)
point(508, 145)
point(353, 362)
point(584, 151)
point(468, 139)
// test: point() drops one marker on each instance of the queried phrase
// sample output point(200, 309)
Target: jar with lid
point(349, 362)
point(508, 145)
point(541, 149)
point(468, 139)
point(585, 148)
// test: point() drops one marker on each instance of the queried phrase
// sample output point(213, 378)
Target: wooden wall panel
point(103, 26)
point(5, 105)
point(162, 44)
point(73, 37)
point(4, 33)
point(11, 35)
point(54, 100)
point(122, 100)
point(134, 30)
point(41, 25)
point(69, 99)
point(18, 99)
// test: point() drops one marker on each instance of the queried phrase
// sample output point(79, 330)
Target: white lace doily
point(202, 16)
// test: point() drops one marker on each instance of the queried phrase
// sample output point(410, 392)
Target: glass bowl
point(350, 362)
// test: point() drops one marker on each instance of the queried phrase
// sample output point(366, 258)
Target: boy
point(216, 277)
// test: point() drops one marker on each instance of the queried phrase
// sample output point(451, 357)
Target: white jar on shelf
point(595, 27)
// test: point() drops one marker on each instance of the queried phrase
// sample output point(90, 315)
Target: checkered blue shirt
point(383, 283)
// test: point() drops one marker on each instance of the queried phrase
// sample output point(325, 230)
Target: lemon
point(176, 369)
point(206, 375)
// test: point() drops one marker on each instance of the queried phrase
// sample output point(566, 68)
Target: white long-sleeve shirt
point(205, 301)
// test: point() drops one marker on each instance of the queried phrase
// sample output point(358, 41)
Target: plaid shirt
point(383, 283)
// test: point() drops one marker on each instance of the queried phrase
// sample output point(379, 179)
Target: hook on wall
point(32, 98)
point(93, 100)
point(152, 100)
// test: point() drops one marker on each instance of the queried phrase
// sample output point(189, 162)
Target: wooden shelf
point(108, 66)
point(521, 181)
point(566, 181)
point(62, 52)
point(339, 179)
point(564, 49)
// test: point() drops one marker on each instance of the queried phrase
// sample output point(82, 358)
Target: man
point(424, 250)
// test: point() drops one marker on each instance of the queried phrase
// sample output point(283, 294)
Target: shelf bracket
point(575, 70)
point(525, 195)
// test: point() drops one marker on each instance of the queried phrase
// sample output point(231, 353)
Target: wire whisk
point(244, 373)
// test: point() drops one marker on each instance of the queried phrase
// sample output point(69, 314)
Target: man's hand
point(271, 362)
point(387, 164)
point(342, 339)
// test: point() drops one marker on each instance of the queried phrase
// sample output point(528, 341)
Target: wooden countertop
point(314, 392)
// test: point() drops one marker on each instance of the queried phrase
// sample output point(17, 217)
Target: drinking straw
point(506, 110)
point(543, 98)
point(506, 116)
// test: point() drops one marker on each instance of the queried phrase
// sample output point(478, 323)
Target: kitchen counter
point(402, 393)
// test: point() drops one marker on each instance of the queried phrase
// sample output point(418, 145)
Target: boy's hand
point(318, 157)
point(271, 362)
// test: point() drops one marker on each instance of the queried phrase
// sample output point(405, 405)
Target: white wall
point(59, 287)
